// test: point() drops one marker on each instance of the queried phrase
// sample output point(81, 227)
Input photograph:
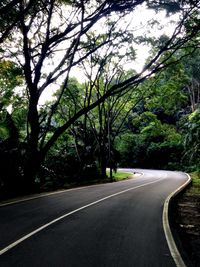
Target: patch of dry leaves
point(187, 221)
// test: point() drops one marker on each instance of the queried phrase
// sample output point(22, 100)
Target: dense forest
point(69, 105)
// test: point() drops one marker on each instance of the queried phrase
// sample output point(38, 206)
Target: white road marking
point(17, 242)
point(168, 234)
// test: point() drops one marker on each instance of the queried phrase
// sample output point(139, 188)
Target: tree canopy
point(43, 42)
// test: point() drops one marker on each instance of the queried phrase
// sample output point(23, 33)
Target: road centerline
point(25, 237)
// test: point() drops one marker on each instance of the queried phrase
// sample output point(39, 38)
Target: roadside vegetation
point(195, 179)
point(119, 176)
point(187, 219)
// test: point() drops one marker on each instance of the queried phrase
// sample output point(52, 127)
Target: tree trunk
point(102, 163)
point(34, 157)
point(31, 169)
point(111, 173)
point(103, 168)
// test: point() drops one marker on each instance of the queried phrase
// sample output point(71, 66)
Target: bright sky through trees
point(139, 23)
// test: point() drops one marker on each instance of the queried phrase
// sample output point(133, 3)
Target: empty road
point(111, 225)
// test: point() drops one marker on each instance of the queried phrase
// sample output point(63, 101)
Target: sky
point(138, 22)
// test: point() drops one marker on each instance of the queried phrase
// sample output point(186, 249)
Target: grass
point(119, 176)
point(195, 178)
point(194, 189)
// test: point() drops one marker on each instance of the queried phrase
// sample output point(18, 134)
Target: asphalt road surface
point(109, 225)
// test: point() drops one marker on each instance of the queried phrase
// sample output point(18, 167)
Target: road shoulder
point(186, 221)
point(167, 229)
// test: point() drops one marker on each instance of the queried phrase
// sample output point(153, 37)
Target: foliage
point(195, 178)
point(119, 176)
point(163, 130)
point(47, 53)
point(192, 138)
point(158, 147)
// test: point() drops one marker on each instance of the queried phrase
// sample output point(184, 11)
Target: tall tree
point(51, 39)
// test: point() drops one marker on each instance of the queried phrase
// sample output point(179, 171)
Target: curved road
point(111, 225)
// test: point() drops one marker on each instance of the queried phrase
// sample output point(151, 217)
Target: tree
point(39, 41)
point(103, 69)
point(191, 66)
point(192, 147)
point(152, 143)
point(164, 125)
point(12, 125)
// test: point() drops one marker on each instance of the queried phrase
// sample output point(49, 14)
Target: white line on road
point(17, 242)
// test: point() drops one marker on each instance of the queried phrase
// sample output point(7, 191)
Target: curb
point(165, 219)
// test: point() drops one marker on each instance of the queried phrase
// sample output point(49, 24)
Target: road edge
point(167, 230)
point(46, 194)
